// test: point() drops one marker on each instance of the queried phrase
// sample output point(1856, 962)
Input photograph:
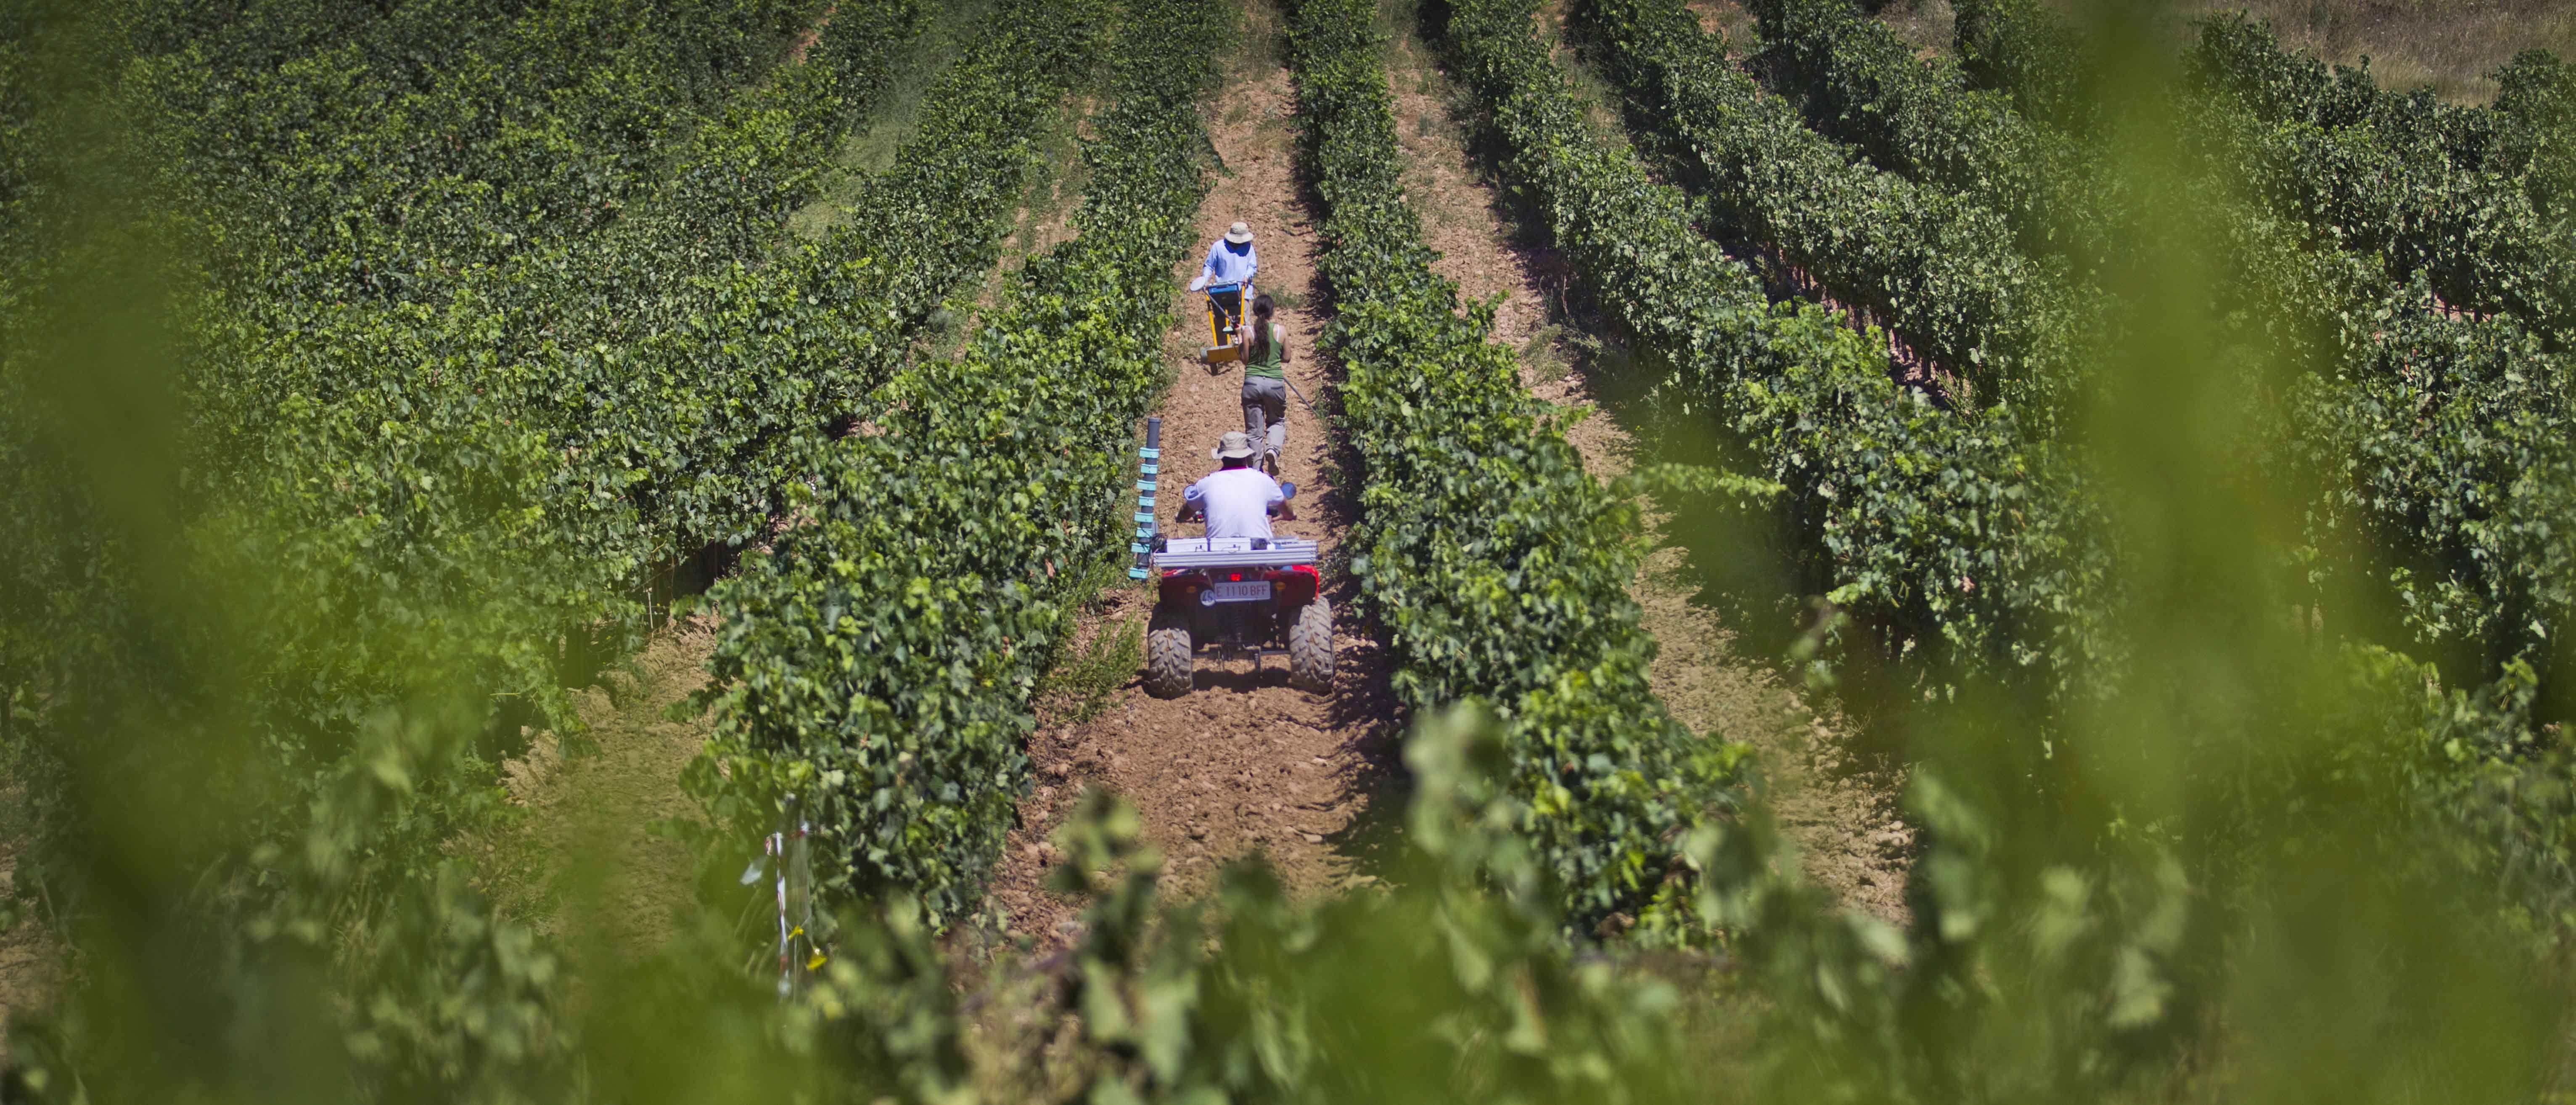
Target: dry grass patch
point(2449, 46)
point(1926, 25)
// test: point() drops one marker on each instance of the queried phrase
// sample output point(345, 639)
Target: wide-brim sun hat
point(1238, 234)
point(1235, 445)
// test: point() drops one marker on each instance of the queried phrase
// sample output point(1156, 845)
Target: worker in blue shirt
point(1230, 260)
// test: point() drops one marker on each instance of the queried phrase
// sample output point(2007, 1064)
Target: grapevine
point(879, 661)
point(1944, 272)
point(1959, 539)
point(1498, 568)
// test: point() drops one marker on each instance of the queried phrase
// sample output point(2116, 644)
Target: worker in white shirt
point(1237, 499)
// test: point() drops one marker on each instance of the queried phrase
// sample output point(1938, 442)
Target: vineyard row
point(1496, 566)
point(877, 664)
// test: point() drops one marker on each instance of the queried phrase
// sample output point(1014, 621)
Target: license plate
point(1242, 592)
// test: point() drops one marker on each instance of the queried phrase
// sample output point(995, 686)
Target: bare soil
point(1842, 815)
point(31, 955)
point(1244, 764)
point(813, 33)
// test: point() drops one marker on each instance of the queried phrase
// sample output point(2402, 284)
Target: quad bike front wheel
point(1168, 654)
point(1310, 648)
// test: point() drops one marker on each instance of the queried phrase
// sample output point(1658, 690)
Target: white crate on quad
point(1233, 552)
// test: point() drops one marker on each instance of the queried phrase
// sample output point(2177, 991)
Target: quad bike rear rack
point(1233, 552)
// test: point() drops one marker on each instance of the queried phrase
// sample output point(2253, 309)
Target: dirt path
point(31, 957)
point(1244, 763)
point(1844, 821)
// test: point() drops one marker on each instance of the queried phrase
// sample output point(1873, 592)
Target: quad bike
point(1238, 597)
point(1225, 323)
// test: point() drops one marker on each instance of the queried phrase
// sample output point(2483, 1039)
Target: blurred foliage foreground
point(2283, 868)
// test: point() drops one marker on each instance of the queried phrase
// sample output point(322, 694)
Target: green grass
point(1055, 187)
point(1540, 354)
point(1086, 673)
point(870, 148)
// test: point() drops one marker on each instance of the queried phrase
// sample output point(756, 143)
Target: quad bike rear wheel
point(1168, 655)
point(1310, 648)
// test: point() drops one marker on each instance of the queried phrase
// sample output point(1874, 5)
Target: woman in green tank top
point(1265, 384)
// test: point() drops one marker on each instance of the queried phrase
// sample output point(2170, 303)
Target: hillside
point(608, 550)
